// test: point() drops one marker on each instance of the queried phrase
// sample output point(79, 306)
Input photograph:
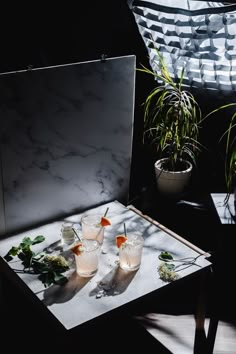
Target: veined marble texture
point(66, 139)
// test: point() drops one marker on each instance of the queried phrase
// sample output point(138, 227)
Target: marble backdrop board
point(66, 139)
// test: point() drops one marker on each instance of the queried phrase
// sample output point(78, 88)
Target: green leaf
point(8, 257)
point(26, 256)
point(51, 277)
point(38, 239)
point(26, 242)
point(60, 279)
point(165, 256)
point(46, 278)
point(12, 252)
point(39, 267)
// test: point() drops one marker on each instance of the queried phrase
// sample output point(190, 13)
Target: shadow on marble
point(57, 294)
point(114, 283)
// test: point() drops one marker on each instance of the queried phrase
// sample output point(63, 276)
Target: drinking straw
point(125, 230)
point(76, 234)
point(102, 226)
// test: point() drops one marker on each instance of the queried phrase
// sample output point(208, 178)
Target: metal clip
point(103, 58)
point(30, 67)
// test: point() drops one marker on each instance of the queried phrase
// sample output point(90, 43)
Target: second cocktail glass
point(91, 227)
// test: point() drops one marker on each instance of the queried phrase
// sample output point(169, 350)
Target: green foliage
point(230, 156)
point(173, 119)
point(165, 256)
point(23, 251)
point(48, 267)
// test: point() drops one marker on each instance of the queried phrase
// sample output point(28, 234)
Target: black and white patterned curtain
point(197, 35)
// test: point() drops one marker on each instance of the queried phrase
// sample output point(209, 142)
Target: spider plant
point(172, 119)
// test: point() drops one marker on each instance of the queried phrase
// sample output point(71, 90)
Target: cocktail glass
point(130, 252)
point(91, 227)
point(87, 258)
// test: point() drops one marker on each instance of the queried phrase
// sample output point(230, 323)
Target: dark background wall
point(42, 36)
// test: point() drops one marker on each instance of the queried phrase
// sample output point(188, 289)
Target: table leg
point(200, 342)
point(211, 334)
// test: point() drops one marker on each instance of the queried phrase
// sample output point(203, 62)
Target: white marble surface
point(66, 139)
point(77, 302)
point(226, 212)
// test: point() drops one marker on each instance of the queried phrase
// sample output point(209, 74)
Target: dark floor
point(164, 323)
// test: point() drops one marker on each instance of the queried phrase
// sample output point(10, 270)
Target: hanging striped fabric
point(197, 35)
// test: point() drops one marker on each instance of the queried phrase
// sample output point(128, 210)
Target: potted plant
point(172, 119)
point(172, 123)
point(230, 159)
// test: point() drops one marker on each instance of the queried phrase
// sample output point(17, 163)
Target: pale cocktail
point(87, 257)
point(130, 252)
point(92, 228)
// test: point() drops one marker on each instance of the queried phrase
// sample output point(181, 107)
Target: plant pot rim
point(187, 170)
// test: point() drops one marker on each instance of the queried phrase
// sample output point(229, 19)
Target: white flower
point(166, 272)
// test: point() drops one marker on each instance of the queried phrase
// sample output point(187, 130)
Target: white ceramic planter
point(172, 184)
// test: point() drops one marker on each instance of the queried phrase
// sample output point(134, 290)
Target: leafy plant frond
point(218, 109)
point(230, 156)
point(48, 267)
point(173, 118)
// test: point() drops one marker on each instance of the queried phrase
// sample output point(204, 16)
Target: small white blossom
point(166, 272)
